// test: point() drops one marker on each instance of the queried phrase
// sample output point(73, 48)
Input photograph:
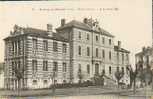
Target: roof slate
point(40, 33)
point(121, 49)
point(82, 25)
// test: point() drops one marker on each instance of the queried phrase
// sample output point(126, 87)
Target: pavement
point(92, 90)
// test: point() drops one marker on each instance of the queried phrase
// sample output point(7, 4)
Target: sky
point(130, 21)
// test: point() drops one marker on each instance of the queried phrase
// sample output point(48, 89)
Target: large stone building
point(41, 55)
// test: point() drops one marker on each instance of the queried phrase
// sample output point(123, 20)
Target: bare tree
point(118, 75)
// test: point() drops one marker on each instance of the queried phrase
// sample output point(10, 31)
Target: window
point(122, 69)
point(55, 66)
point(13, 69)
point(19, 48)
point(16, 47)
point(117, 56)
point(110, 70)
point(88, 36)
point(103, 52)
point(34, 82)
point(127, 57)
point(34, 42)
point(79, 49)
point(34, 65)
point(13, 47)
point(110, 41)
point(79, 68)
point(45, 65)
point(64, 48)
point(45, 81)
point(96, 68)
point(110, 55)
point(45, 44)
point(103, 40)
point(79, 35)
point(64, 67)
point(117, 68)
point(122, 58)
point(55, 46)
point(97, 38)
point(19, 65)
point(96, 52)
point(88, 51)
point(88, 69)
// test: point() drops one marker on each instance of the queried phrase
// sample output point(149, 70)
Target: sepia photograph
point(65, 49)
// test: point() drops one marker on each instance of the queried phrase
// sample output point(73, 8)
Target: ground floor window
point(45, 81)
point(96, 68)
point(34, 82)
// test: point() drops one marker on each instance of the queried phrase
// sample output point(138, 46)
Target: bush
point(70, 85)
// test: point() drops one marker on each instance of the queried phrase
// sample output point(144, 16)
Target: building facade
point(145, 57)
point(44, 57)
point(33, 58)
point(122, 62)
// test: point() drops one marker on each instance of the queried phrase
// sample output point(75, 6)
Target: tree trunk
point(134, 87)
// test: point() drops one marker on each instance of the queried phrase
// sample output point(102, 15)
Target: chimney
point(49, 29)
point(85, 20)
point(119, 44)
point(62, 22)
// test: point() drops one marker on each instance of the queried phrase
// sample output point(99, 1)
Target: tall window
point(13, 69)
point(45, 44)
point(122, 69)
point(34, 65)
point(13, 48)
point(19, 48)
point(127, 57)
point(88, 69)
point(79, 50)
point(79, 35)
point(45, 65)
point(96, 68)
point(97, 39)
point(64, 67)
point(110, 70)
point(110, 55)
point(122, 58)
point(64, 48)
point(88, 36)
point(55, 47)
point(103, 53)
point(34, 42)
point(88, 51)
point(96, 52)
point(55, 66)
point(103, 40)
point(117, 68)
point(79, 68)
point(16, 48)
point(110, 41)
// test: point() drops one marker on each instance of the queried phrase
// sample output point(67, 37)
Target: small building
point(122, 62)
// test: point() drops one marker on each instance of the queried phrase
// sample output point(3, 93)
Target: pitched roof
point(116, 48)
point(82, 25)
point(39, 33)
